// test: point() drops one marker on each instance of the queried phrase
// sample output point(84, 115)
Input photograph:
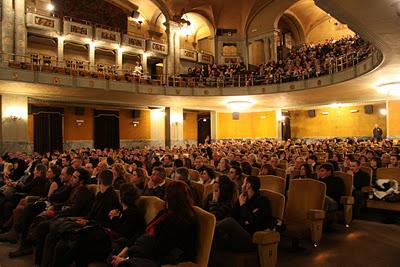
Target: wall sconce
point(135, 123)
point(16, 113)
point(79, 122)
point(15, 118)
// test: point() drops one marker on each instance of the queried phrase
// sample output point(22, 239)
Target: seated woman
point(207, 176)
point(138, 178)
point(221, 200)
point(267, 169)
point(305, 172)
point(169, 238)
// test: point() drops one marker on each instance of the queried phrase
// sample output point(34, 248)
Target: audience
point(64, 206)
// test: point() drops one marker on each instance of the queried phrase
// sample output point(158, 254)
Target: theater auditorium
point(208, 133)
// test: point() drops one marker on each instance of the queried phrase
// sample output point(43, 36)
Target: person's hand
point(242, 199)
point(81, 221)
point(150, 184)
point(113, 213)
point(350, 172)
point(116, 260)
point(215, 192)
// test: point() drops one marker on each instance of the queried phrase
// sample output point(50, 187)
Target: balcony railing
point(38, 68)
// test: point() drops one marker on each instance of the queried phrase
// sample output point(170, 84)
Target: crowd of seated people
point(303, 62)
point(47, 200)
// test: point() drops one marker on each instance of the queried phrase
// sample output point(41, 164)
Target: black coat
point(103, 204)
point(334, 187)
point(78, 204)
point(254, 215)
point(130, 224)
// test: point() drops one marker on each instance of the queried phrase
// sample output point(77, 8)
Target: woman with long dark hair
point(220, 201)
point(170, 237)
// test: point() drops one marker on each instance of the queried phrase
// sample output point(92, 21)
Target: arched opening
point(257, 52)
point(291, 34)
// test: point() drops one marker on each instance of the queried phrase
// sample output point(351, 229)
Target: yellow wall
point(249, 125)
point(128, 131)
point(328, 30)
point(73, 131)
point(340, 122)
point(257, 53)
point(394, 118)
point(190, 126)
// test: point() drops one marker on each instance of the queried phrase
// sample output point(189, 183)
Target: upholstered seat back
point(205, 233)
point(303, 196)
point(348, 182)
point(273, 183)
point(369, 171)
point(280, 172)
point(277, 202)
point(151, 206)
point(200, 190)
point(388, 173)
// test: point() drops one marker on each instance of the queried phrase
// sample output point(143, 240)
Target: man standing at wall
point(378, 133)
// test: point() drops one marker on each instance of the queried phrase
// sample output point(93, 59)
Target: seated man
point(334, 187)
point(251, 213)
point(360, 180)
point(182, 174)
point(156, 184)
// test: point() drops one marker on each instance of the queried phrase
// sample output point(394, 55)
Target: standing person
point(377, 133)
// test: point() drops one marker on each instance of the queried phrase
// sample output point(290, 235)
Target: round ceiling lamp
point(239, 105)
point(392, 88)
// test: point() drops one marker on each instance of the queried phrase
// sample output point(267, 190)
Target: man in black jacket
point(251, 213)
point(360, 179)
point(156, 185)
point(334, 186)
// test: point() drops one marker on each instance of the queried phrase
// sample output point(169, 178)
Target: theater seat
point(347, 200)
point(205, 233)
point(273, 183)
point(267, 241)
point(304, 212)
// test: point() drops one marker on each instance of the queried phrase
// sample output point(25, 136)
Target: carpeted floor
point(364, 244)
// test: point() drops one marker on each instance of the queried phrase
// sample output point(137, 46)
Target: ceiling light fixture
point(239, 105)
point(392, 88)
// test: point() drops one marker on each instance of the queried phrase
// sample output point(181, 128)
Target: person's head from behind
point(158, 175)
point(118, 170)
point(178, 163)
point(251, 185)
point(325, 170)
point(182, 174)
point(106, 178)
point(179, 199)
point(266, 169)
point(226, 189)
point(128, 194)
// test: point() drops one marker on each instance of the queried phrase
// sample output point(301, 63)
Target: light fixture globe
point(239, 105)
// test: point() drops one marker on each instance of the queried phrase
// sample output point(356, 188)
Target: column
point(173, 58)
point(176, 126)
point(14, 123)
point(273, 42)
point(279, 120)
point(20, 30)
point(118, 60)
point(157, 127)
point(144, 63)
point(92, 51)
point(213, 118)
point(60, 51)
point(7, 29)
point(267, 49)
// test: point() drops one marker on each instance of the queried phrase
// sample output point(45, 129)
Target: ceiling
point(376, 21)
